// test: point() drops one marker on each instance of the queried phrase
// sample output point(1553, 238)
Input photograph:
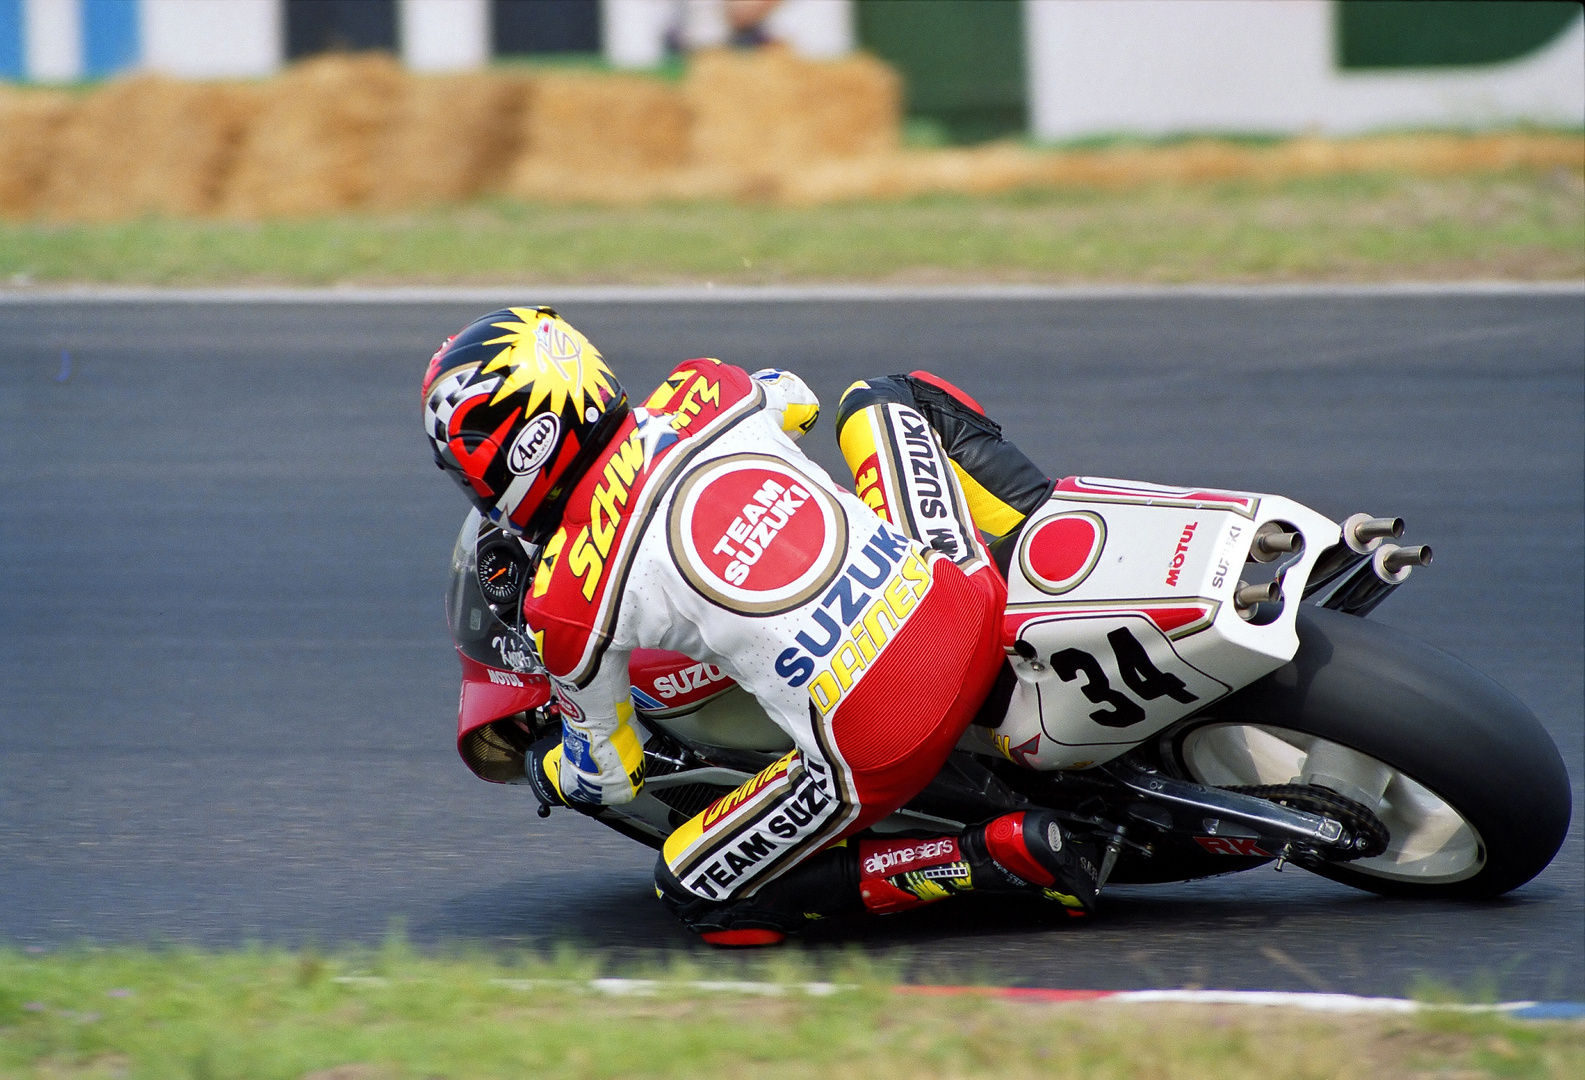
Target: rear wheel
point(1472, 790)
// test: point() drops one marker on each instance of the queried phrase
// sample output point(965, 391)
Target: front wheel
point(1471, 788)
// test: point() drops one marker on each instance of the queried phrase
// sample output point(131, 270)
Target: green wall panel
point(962, 60)
point(1445, 33)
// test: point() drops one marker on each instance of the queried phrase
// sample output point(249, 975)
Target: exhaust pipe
point(1247, 596)
point(1398, 561)
point(1365, 533)
point(1273, 541)
point(1361, 536)
point(1373, 582)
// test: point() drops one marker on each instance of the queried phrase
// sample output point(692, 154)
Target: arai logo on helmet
point(534, 445)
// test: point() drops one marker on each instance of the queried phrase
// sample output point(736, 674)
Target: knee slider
point(693, 911)
point(1020, 845)
point(822, 886)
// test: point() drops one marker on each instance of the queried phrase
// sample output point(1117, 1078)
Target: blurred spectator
point(710, 24)
point(746, 18)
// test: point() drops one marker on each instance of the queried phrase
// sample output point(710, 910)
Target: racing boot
point(1024, 852)
point(1030, 851)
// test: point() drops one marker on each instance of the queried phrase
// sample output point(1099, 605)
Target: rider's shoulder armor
point(572, 604)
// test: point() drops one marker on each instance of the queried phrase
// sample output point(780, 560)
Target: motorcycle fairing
point(670, 684)
point(501, 676)
point(490, 694)
point(1121, 617)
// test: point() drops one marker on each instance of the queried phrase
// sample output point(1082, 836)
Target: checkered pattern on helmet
point(449, 391)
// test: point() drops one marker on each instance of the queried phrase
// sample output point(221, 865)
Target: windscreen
point(476, 624)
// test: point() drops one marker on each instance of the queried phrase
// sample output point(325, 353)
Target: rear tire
point(1464, 754)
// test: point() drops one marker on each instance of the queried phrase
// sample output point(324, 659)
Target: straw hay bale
point(771, 110)
point(583, 119)
point(983, 170)
point(1434, 154)
point(998, 168)
point(600, 138)
point(314, 147)
point(30, 127)
point(742, 127)
point(549, 184)
point(1208, 160)
point(451, 137)
point(147, 145)
point(343, 132)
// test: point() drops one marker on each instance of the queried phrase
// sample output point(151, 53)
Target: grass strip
point(1521, 225)
point(393, 1013)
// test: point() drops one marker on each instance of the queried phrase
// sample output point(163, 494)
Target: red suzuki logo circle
point(753, 534)
point(1058, 553)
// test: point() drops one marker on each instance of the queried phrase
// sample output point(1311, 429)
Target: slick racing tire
point(1469, 784)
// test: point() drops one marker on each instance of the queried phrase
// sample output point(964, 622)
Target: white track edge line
point(747, 294)
point(1338, 1003)
point(1310, 1002)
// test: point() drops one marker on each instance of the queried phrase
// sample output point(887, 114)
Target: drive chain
point(1370, 835)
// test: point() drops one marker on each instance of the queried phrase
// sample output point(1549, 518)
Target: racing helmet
point(517, 405)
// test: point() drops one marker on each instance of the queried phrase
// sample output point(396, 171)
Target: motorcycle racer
point(694, 523)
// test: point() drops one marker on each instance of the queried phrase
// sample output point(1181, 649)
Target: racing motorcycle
point(1199, 690)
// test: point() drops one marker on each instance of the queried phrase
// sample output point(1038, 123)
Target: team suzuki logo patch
point(755, 535)
point(1059, 553)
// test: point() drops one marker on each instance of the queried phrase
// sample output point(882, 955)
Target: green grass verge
point(389, 1013)
point(1522, 225)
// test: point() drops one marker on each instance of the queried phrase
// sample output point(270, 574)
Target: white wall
point(52, 40)
point(1162, 66)
point(635, 31)
point(211, 39)
point(818, 29)
point(444, 35)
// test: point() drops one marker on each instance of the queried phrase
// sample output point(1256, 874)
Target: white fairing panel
point(1121, 615)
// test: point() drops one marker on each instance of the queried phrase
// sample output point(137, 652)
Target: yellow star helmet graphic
point(550, 360)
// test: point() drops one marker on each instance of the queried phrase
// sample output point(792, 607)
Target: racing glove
point(790, 397)
point(601, 759)
point(543, 766)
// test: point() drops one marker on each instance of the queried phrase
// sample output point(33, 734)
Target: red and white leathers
point(705, 530)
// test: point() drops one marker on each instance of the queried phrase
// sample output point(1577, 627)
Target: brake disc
point(1370, 835)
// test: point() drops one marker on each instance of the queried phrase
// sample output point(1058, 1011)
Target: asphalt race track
point(227, 695)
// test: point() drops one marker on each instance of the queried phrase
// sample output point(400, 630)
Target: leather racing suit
point(871, 640)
